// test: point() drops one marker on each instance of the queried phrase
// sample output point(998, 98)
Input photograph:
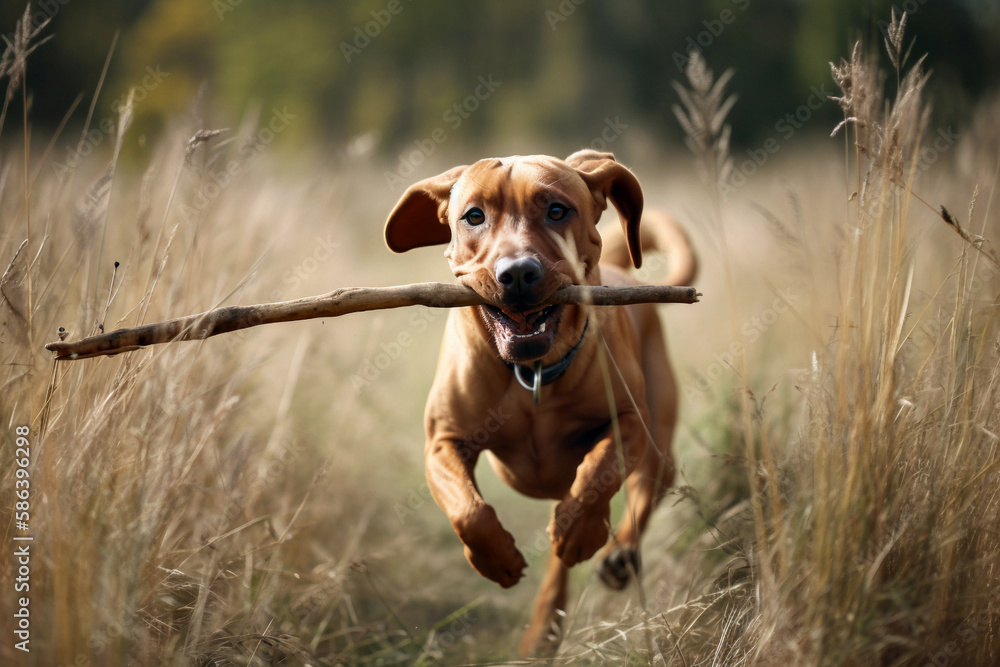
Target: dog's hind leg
point(544, 633)
point(654, 474)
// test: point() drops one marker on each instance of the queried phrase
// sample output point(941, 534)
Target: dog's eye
point(474, 216)
point(557, 212)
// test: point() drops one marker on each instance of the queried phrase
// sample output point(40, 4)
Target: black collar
point(534, 378)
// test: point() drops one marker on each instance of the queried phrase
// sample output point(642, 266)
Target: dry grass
point(241, 501)
point(870, 532)
point(209, 503)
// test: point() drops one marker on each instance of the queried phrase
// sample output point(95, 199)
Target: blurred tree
point(401, 70)
point(70, 64)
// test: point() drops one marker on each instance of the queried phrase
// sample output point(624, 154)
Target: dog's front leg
point(579, 527)
point(489, 547)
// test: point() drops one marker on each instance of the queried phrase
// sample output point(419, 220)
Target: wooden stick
point(340, 302)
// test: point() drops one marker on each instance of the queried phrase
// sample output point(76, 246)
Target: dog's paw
point(578, 531)
point(490, 549)
point(503, 564)
point(619, 566)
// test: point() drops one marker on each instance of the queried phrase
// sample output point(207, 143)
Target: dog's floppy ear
point(420, 217)
point(608, 179)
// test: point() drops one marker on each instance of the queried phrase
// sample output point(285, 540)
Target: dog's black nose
point(519, 277)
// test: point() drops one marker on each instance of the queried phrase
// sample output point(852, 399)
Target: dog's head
point(518, 229)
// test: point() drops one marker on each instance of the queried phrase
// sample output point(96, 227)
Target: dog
point(569, 402)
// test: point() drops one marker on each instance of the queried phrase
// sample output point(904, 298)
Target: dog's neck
point(537, 376)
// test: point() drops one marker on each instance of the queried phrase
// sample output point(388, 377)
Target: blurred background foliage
point(389, 71)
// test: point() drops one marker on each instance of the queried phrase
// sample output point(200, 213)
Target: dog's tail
point(658, 231)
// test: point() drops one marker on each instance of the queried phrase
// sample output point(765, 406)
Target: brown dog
point(517, 229)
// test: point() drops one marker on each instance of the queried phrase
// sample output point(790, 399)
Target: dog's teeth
point(541, 329)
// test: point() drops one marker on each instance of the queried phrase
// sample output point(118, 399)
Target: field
point(258, 498)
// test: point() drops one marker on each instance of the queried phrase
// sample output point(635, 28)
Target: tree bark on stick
point(341, 302)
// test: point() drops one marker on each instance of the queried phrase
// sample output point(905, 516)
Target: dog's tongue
point(523, 323)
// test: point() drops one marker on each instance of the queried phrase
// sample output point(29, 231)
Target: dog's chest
point(538, 452)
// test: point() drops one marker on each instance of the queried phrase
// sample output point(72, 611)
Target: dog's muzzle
point(520, 280)
point(523, 326)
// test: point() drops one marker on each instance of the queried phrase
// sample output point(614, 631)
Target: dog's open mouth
point(523, 324)
point(523, 336)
